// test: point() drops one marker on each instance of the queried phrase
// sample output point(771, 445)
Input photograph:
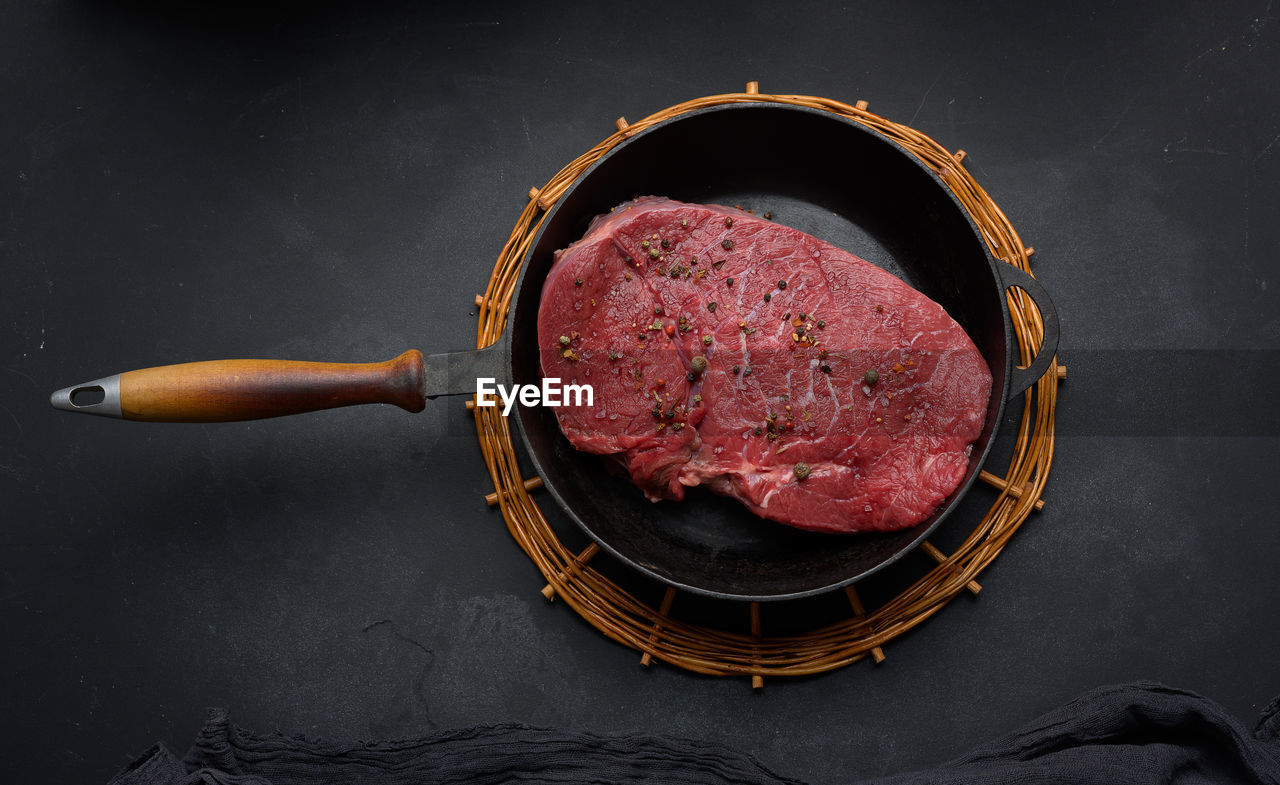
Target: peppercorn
point(657, 310)
point(577, 282)
point(698, 364)
point(711, 307)
point(729, 282)
point(767, 297)
point(871, 377)
point(727, 244)
point(801, 470)
point(783, 285)
point(564, 340)
point(706, 340)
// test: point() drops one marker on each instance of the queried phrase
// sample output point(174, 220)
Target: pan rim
point(925, 529)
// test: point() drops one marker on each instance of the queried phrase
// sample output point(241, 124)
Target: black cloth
point(1134, 733)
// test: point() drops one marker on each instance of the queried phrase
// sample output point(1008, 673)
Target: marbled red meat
point(789, 327)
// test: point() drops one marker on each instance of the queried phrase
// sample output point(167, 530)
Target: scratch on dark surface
point(1200, 56)
point(925, 97)
point(302, 114)
point(395, 630)
point(1065, 71)
point(418, 687)
point(1245, 250)
point(12, 417)
point(1266, 149)
point(1114, 125)
point(33, 381)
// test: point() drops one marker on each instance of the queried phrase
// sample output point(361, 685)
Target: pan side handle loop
point(1022, 378)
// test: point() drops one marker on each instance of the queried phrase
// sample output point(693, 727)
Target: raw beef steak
point(728, 351)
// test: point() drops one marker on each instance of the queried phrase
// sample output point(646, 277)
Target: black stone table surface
point(184, 181)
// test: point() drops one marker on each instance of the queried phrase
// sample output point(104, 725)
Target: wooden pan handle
point(232, 390)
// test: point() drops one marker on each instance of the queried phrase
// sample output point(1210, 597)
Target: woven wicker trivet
point(655, 632)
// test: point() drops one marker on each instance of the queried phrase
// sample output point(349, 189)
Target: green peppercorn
point(644, 243)
point(564, 340)
point(801, 470)
point(871, 377)
point(706, 340)
point(736, 369)
point(653, 253)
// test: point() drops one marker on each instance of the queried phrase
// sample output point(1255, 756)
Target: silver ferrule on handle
point(101, 397)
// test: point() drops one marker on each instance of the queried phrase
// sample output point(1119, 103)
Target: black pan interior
point(826, 176)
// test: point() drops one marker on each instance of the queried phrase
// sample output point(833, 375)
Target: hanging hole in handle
point(88, 396)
